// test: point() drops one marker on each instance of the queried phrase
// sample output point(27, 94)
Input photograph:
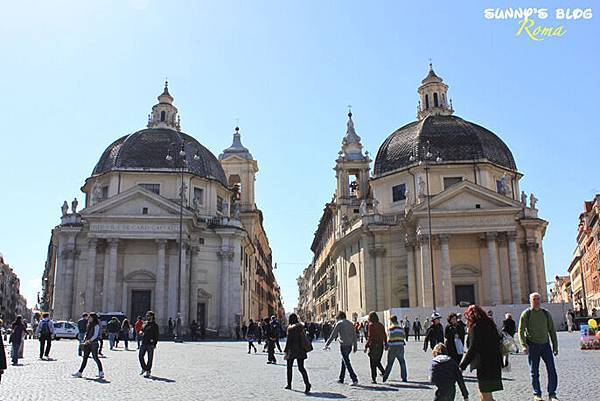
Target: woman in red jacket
point(377, 341)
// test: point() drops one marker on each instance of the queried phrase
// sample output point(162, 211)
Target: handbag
point(306, 345)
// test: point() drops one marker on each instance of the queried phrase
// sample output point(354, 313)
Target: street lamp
point(425, 161)
point(182, 167)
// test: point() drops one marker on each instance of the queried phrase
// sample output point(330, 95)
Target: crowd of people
point(475, 343)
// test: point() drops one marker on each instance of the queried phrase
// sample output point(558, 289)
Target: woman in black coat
point(295, 349)
point(453, 343)
point(2, 354)
point(484, 351)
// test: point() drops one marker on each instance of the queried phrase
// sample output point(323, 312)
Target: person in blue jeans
point(536, 331)
point(345, 332)
point(81, 330)
point(395, 347)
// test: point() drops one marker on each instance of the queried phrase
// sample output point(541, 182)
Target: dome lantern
point(433, 99)
point(164, 114)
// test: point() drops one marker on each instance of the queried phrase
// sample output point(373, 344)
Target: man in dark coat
point(149, 335)
point(417, 329)
point(435, 332)
point(2, 355)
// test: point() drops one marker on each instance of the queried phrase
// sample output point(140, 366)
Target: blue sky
point(76, 75)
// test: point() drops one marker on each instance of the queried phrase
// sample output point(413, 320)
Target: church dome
point(450, 137)
point(146, 150)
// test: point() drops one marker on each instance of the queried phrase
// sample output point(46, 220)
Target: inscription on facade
point(120, 227)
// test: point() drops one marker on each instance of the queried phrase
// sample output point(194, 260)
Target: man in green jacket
point(536, 330)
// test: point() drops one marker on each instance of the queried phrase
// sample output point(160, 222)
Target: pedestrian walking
point(396, 343)
point(483, 352)
point(251, 335)
point(509, 328)
point(406, 328)
point(271, 334)
point(113, 328)
point(244, 330)
point(346, 334)
point(434, 333)
point(416, 327)
point(536, 331)
point(237, 331)
point(81, 330)
point(569, 317)
point(125, 329)
point(296, 348)
point(17, 337)
point(445, 374)
point(453, 342)
point(149, 334)
point(194, 330)
point(278, 330)
point(90, 345)
point(375, 345)
point(137, 328)
point(2, 354)
point(170, 326)
point(44, 332)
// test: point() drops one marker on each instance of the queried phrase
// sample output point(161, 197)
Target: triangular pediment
point(132, 202)
point(469, 196)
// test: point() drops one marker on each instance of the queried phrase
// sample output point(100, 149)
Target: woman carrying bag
point(376, 342)
point(296, 347)
point(90, 346)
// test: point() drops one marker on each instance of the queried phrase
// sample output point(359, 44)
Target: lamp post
point(182, 167)
point(425, 161)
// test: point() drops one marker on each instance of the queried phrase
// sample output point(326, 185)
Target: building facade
point(561, 291)
point(584, 270)
point(440, 221)
point(165, 226)
point(12, 302)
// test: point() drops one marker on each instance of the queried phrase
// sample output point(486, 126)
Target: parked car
point(64, 329)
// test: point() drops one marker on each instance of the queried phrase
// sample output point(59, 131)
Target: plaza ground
point(224, 371)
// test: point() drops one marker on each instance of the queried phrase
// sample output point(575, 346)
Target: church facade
point(166, 226)
point(441, 221)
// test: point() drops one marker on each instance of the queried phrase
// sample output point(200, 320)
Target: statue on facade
point(363, 207)
point(74, 205)
point(406, 201)
point(96, 193)
point(65, 208)
point(183, 193)
point(503, 185)
point(226, 210)
point(375, 206)
point(532, 200)
point(197, 204)
point(523, 199)
point(422, 186)
point(236, 210)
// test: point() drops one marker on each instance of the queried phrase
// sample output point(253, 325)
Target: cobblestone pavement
point(224, 371)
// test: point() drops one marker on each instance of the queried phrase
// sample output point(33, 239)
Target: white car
point(64, 329)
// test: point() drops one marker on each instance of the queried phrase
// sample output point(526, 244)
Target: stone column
point(226, 256)
point(380, 277)
point(184, 282)
point(410, 267)
point(532, 248)
point(494, 270)
point(113, 244)
point(159, 286)
point(173, 305)
point(68, 277)
point(513, 262)
point(426, 290)
point(446, 270)
point(90, 291)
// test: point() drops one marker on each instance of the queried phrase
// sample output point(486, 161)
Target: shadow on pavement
point(97, 380)
point(376, 387)
point(408, 385)
point(161, 379)
point(322, 394)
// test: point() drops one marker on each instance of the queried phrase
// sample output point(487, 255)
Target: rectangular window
point(198, 195)
point(449, 181)
point(105, 192)
point(151, 187)
point(398, 192)
point(219, 204)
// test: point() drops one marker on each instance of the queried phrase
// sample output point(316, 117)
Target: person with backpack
point(149, 335)
point(296, 348)
point(45, 331)
point(536, 331)
point(81, 330)
point(90, 345)
point(17, 336)
point(271, 336)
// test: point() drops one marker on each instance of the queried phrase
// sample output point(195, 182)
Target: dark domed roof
point(453, 138)
point(147, 149)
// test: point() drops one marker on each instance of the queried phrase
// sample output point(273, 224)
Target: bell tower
point(433, 96)
point(164, 114)
point(240, 169)
point(352, 168)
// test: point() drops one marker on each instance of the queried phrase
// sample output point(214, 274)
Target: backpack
point(45, 328)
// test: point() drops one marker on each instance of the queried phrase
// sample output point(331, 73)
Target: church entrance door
point(464, 294)
point(140, 303)
point(201, 315)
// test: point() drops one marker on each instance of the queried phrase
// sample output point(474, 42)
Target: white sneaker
point(100, 375)
point(76, 374)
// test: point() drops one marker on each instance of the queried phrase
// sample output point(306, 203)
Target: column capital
point(161, 242)
point(423, 239)
point(444, 238)
point(511, 235)
point(491, 235)
point(226, 254)
point(113, 241)
point(532, 245)
point(502, 239)
point(92, 242)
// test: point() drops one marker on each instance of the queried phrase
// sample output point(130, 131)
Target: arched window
point(426, 101)
point(163, 115)
point(352, 270)
point(435, 100)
